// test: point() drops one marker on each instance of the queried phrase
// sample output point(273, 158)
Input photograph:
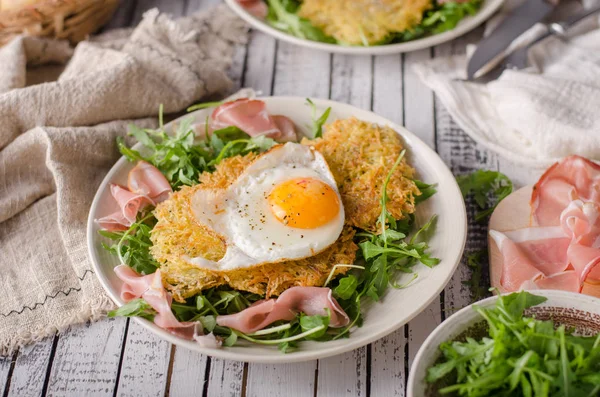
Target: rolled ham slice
point(151, 289)
point(307, 300)
point(251, 116)
point(573, 178)
point(146, 180)
point(147, 186)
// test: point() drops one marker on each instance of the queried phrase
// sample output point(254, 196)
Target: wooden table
point(120, 358)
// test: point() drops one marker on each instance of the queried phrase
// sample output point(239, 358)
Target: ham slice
point(147, 186)
point(251, 116)
point(146, 180)
point(562, 249)
point(308, 300)
point(150, 288)
point(257, 8)
point(572, 178)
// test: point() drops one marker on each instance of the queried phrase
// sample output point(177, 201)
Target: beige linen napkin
point(57, 141)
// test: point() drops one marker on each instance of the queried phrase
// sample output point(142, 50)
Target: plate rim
point(299, 355)
point(469, 23)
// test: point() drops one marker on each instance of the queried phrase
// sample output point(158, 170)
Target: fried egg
point(284, 206)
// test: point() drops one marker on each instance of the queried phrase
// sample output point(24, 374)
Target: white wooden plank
point(462, 155)
point(175, 8)
point(290, 380)
point(419, 119)
point(5, 363)
point(196, 5)
point(260, 62)
point(187, 373)
point(87, 359)
point(30, 369)
point(388, 353)
point(302, 72)
point(226, 378)
point(346, 374)
point(387, 87)
point(388, 377)
point(343, 375)
point(351, 80)
point(145, 363)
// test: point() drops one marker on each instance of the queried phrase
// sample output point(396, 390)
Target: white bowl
point(575, 310)
point(488, 8)
point(398, 305)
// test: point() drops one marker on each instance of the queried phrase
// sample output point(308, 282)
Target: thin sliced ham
point(146, 180)
point(308, 300)
point(151, 289)
point(251, 116)
point(147, 186)
point(257, 8)
point(571, 179)
point(563, 252)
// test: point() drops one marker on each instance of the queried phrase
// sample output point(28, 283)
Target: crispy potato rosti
point(177, 234)
point(360, 155)
point(363, 21)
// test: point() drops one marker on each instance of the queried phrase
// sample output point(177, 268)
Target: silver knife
point(520, 19)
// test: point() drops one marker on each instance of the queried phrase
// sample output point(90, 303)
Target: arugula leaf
point(132, 246)
point(346, 287)
point(426, 191)
point(134, 308)
point(282, 15)
point(488, 189)
point(317, 123)
point(475, 282)
point(308, 323)
point(204, 105)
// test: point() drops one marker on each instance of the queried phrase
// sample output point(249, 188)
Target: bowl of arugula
point(543, 343)
point(338, 27)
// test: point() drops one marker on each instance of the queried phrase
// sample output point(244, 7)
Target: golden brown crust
point(358, 21)
point(360, 155)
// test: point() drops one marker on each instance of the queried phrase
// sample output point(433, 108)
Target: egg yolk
point(304, 203)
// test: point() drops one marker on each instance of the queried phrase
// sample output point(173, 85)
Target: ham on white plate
point(151, 289)
point(251, 116)
point(146, 186)
point(308, 300)
point(257, 8)
point(561, 248)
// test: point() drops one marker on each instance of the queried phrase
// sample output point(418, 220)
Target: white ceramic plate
point(398, 305)
point(488, 8)
point(579, 311)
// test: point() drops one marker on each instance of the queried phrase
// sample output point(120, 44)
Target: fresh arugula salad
point(181, 156)
point(435, 17)
point(517, 355)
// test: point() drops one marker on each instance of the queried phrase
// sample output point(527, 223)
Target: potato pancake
point(359, 155)
point(363, 22)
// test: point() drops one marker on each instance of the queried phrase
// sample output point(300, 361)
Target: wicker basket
point(65, 19)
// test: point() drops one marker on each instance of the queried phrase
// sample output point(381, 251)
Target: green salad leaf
point(182, 157)
point(317, 122)
point(283, 16)
point(519, 355)
point(132, 246)
point(134, 308)
point(488, 189)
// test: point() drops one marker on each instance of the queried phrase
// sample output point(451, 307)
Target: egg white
point(242, 216)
